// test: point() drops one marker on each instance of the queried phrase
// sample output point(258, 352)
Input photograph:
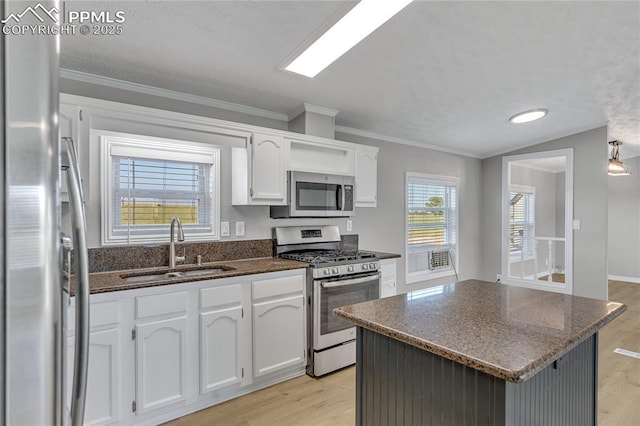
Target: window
point(431, 226)
point(521, 221)
point(146, 181)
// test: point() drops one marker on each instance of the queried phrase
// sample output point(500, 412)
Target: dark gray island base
point(478, 353)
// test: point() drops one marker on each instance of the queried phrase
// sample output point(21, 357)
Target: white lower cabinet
point(278, 338)
point(160, 348)
point(388, 284)
point(278, 312)
point(223, 337)
point(160, 363)
point(162, 352)
point(102, 405)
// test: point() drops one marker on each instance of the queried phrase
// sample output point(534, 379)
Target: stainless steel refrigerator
point(32, 299)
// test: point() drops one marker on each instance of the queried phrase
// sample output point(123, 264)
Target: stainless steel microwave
point(317, 195)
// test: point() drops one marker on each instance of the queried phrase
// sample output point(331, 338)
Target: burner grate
point(328, 256)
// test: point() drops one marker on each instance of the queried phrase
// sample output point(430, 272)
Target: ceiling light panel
point(357, 24)
point(527, 116)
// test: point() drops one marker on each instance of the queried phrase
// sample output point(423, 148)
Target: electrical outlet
point(224, 229)
point(349, 225)
point(576, 224)
point(239, 229)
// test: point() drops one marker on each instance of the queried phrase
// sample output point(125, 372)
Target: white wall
point(382, 228)
point(624, 223)
point(590, 206)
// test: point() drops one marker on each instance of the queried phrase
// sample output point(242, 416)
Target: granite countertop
point(508, 332)
point(102, 282)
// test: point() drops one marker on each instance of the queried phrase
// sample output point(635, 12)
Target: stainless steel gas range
point(335, 278)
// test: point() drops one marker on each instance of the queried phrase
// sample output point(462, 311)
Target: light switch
point(576, 223)
point(224, 229)
point(349, 225)
point(239, 229)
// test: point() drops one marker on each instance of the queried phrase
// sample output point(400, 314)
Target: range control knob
point(365, 266)
point(349, 268)
point(372, 266)
point(334, 270)
point(326, 271)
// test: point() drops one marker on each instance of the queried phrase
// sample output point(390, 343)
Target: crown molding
point(305, 107)
point(320, 110)
point(393, 139)
point(170, 94)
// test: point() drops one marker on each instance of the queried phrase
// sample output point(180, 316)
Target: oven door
point(329, 330)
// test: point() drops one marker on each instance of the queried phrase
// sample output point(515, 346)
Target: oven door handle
point(340, 283)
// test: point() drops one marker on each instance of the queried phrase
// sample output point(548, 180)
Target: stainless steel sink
point(151, 277)
point(155, 276)
point(201, 272)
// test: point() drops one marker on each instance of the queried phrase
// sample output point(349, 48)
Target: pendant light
point(616, 167)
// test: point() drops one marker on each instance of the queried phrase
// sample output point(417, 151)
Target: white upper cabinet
point(322, 156)
point(268, 178)
point(259, 171)
point(366, 176)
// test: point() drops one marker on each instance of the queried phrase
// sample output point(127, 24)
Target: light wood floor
point(619, 375)
point(331, 399)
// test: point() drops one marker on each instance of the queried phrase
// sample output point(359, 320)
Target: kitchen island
point(478, 353)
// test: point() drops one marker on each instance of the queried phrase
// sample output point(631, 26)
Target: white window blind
point(521, 222)
point(431, 219)
point(149, 184)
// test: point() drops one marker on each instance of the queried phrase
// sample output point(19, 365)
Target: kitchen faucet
point(172, 247)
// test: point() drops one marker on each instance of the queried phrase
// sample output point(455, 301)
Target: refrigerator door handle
point(69, 163)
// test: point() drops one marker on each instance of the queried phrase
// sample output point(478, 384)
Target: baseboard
point(635, 280)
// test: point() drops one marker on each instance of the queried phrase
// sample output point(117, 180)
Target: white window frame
point(425, 275)
point(516, 256)
point(173, 150)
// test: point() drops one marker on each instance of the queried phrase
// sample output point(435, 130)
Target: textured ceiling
point(448, 74)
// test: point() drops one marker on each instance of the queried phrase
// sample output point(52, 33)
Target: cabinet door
point(278, 334)
point(268, 178)
point(388, 279)
point(160, 363)
point(366, 177)
point(103, 387)
point(222, 334)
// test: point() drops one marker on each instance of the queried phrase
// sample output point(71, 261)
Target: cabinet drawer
point(218, 296)
point(101, 314)
point(161, 304)
point(277, 286)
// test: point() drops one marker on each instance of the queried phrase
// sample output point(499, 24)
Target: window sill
point(417, 277)
point(517, 258)
point(158, 240)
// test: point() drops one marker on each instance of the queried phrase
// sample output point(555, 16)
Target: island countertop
point(508, 332)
